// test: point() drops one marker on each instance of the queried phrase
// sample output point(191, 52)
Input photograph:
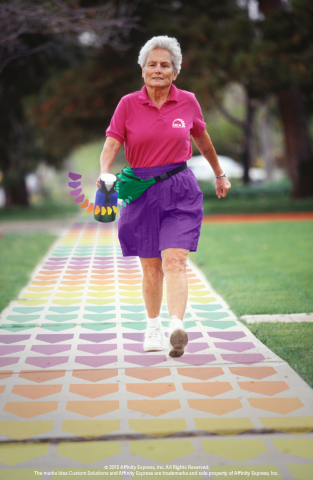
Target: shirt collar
point(143, 96)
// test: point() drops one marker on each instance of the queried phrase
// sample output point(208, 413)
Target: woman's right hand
point(107, 157)
point(98, 182)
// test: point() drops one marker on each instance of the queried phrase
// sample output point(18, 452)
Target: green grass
point(291, 341)
point(19, 255)
point(265, 268)
point(49, 210)
point(259, 267)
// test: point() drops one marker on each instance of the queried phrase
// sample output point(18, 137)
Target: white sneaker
point(177, 337)
point(153, 338)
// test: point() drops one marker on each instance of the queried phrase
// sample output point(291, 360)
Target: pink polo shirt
point(155, 136)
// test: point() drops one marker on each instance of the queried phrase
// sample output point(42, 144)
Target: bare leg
point(174, 267)
point(152, 285)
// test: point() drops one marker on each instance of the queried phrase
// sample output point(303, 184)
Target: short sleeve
point(117, 127)
point(199, 124)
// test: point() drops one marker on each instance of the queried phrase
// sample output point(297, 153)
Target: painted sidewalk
point(79, 394)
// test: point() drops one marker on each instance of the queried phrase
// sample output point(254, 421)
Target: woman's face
point(158, 70)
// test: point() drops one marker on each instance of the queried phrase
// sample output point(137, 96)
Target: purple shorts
point(168, 215)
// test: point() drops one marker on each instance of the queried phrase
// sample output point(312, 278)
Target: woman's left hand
point(222, 185)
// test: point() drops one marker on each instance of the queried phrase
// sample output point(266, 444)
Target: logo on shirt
point(178, 123)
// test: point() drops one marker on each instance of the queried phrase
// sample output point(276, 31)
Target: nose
point(157, 68)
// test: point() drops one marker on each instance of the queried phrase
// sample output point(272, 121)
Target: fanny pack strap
point(159, 178)
point(169, 174)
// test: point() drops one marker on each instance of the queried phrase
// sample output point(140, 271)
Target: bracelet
point(219, 176)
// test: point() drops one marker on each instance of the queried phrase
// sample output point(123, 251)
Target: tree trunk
point(269, 6)
point(16, 194)
point(297, 140)
point(265, 140)
point(15, 188)
point(248, 129)
point(298, 148)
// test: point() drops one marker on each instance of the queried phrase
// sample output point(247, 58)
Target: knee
point(174, 263)
point(153, 273)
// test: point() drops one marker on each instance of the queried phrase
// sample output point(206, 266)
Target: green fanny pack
point(130, 187)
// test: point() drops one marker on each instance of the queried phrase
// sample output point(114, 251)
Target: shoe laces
point(153, 333)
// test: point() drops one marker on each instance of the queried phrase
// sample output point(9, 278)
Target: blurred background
point(64, 65)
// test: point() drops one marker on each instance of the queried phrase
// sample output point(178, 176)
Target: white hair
point(163, 41)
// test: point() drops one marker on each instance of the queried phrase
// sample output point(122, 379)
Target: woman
point(163, 225)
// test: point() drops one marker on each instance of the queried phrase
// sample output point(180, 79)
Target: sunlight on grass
point(261, 267)
point(265, 268)
point(292, 342)
point(20, 253)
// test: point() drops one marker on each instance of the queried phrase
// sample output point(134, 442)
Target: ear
point(175, 75)
point(143, 72)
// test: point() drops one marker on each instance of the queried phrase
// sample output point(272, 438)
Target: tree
point(269, 55)
point(76, 105)
point(221, 44)
point(37, 38)
point(290, 99)
point(69, 103)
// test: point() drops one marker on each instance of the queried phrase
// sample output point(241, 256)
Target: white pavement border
point(57, 227)
point(282, 318)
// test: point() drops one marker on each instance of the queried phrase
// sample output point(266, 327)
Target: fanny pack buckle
point(164, 176)
point(169, 174)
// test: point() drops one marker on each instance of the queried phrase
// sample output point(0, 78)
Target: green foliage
point(259, 267)
point(220, 43)
point(38, 41)
point(223, 44)
point(262, 198)
point(256, 204)
point(19, 253)
point(247, 192)
point(76, 106)
point(293, 342)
